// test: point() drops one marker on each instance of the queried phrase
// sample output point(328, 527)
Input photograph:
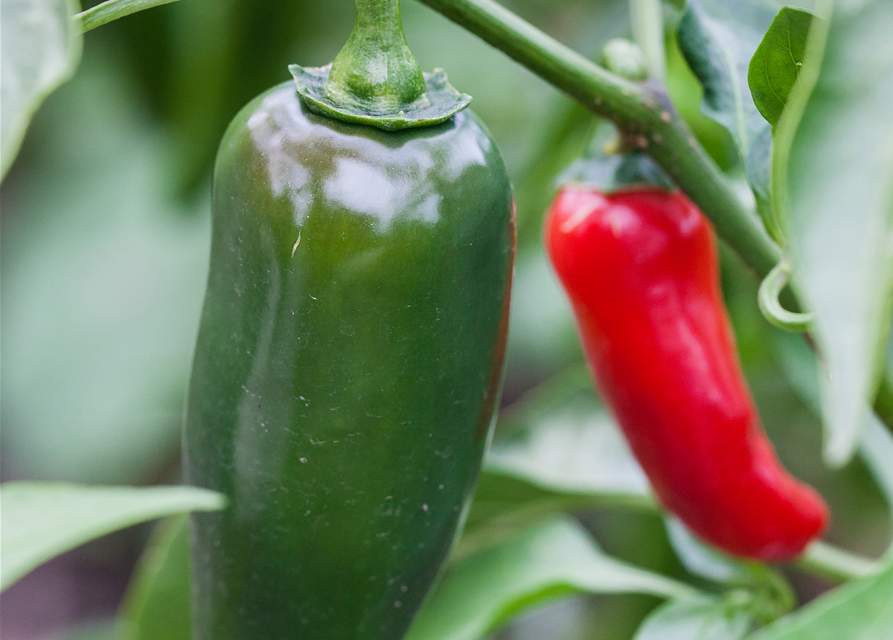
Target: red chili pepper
point(640, 268)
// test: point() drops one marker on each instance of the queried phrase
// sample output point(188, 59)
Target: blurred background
point(105, 219)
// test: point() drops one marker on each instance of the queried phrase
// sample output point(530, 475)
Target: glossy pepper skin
point(640, 268)
point(348, 367)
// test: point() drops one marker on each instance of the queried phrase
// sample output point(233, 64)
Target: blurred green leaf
point(557, 450)
point(833, 174)
point(890, 352)
point(576, 448)
point(686, 94)
point(43, 520)
point(763, 594)
point(542, 335)
point(800, 366)
point(758, 167)
point(158, 600)
point(775, 66)
point(877, 451)
point(702, 560)
point(860, 610)
point(718, 38)
point(696, 619)
point(40, 47)
point(103, 279)
point(497, 583)
point(112, 10)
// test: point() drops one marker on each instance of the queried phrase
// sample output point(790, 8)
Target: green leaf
point(495, 584)
point(763, 594)
point(758, 167)
point(558, 450)
point(718, 38)
point(800, 366)
point(860, 610)
point(890, 352)
point(877, 451)
point(833, 175)
point(696, 619)
point(112, 10)
point(575, 449)
point(157, 604)
point(775, 66)
point(702, 560)
point(43, 520)
point(103, 277)
point(40, 48)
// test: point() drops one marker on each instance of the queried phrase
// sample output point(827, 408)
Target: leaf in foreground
point(860, 610)
point(695, 619)
point(44, 520)
point(775, 66)
point(157, 604)
point(559, 450)
point(833, 170)
point(718, 38)
point(495, 584)
point(112, 10)
point(40, 47)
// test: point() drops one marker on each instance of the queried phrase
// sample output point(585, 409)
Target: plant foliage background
point(105, 237)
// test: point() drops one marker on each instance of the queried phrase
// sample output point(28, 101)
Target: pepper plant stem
point(642, 118)
point(648, 30)
point(832, 563)
point(112, 10)
point(645, 121)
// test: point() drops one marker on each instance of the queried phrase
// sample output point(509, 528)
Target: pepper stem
point(375, 70)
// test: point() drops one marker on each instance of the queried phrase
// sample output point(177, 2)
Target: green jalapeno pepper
point(348, 366)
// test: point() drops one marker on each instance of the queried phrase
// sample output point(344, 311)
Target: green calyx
point(612, 163)
point(375, 80)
